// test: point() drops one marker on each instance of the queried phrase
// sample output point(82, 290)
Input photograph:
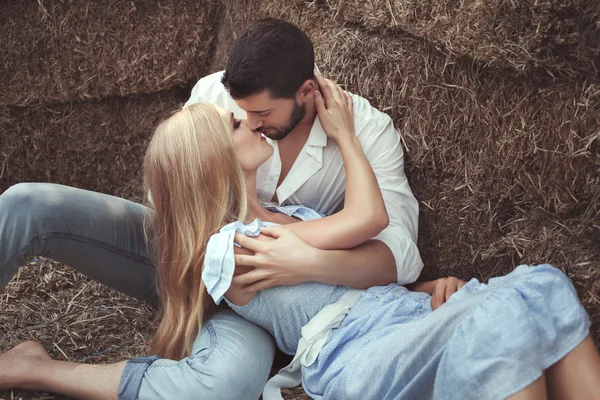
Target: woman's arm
point(364, 215)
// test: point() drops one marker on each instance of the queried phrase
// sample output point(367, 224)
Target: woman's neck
point(255, 208)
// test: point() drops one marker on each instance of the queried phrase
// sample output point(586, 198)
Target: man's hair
point(272, 55)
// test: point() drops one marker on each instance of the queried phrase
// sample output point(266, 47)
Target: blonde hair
point(197, 186)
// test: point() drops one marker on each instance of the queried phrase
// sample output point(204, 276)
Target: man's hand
point(440, 289)
point(443, 289)
point(282, 261)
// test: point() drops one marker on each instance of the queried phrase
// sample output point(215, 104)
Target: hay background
point(498, 104)
point(553, 38)
point(80, 50)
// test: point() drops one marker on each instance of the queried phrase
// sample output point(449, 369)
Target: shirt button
point(271, 178)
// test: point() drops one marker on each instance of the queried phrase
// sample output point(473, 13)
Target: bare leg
point(535, 391)
point(577, 375)
point(28, 366)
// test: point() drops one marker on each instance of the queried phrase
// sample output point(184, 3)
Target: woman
point(382, 343)
point(201, 150)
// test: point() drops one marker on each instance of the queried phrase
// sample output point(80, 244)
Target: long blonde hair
point(197, 186)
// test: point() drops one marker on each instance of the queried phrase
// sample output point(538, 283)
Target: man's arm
point(383, 148)
point(370, 264)
point(391, 256)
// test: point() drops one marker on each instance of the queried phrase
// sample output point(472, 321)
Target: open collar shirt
point(317, 178)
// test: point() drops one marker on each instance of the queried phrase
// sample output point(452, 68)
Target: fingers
point(249, 243)
point(248, 260)
point(261, 285)
point(273, 231)
point(254, 281)
point(320, 104)
point(325, 87)
point(451, 288)
point(444, 289)
point(349, 102)
point(331, 91)
point(437, 298)
point(454, 286)
point(336, 91)
point(249, 278)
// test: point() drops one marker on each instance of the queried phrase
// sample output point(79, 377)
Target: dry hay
point(503, 159)
point(76, 319)
point(560, 37)
point(64, 51)
point(505, 164)
point(96, 145)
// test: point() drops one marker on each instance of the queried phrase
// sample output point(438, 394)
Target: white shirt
point(317, 178)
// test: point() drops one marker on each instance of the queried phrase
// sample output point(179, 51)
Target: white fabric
point(315, 334)
point(317, 178)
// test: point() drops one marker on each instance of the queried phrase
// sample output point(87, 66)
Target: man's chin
point(271, 135)
point(274, 135)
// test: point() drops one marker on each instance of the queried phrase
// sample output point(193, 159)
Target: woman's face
point(251, 147)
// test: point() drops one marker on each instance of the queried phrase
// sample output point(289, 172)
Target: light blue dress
point(486, 342)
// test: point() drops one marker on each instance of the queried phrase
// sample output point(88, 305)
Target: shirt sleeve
point(219, 264)
point(384, 151)
point(219, 259)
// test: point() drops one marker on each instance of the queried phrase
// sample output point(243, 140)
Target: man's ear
point(306, 91)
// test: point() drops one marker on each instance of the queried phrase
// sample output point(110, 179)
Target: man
point(269, 80)
point(270, 76)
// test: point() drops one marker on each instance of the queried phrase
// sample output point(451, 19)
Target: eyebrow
point(260, 112)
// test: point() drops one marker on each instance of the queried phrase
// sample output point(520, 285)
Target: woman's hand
point(335, 108)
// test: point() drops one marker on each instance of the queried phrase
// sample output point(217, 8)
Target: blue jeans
point(102, 237)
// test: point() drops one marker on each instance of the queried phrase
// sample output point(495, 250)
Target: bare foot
point(17, 364)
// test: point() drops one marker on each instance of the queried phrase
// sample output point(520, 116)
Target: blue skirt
point(487, 342)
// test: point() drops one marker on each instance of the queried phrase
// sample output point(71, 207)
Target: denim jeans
point(102, 237)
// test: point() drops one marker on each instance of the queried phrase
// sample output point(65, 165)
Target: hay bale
point(65, 51)
point(504, 165)
point(96, 145)
point(503, 161)
point(563, 38)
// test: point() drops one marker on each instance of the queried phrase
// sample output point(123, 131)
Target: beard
point(296, 116)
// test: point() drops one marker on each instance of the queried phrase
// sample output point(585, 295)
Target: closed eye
point(236, 123)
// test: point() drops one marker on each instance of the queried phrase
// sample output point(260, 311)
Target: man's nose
point(253, 122)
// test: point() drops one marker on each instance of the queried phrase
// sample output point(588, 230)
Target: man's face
point(274, 118)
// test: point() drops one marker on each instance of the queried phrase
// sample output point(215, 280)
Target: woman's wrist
point(310, 271)
point(315, 270)
point(347, 140)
